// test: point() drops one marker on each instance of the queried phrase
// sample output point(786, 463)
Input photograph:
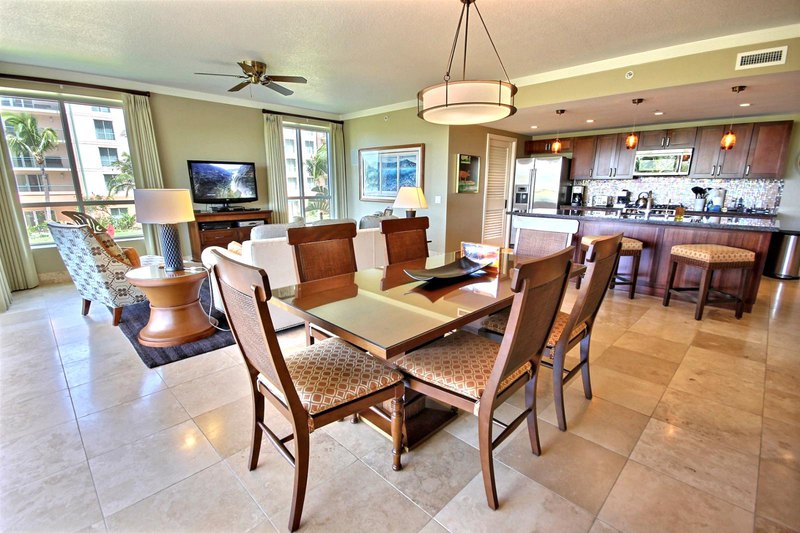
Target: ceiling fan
point(255, 72)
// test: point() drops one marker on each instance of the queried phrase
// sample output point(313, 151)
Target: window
point(308, 184)
point(77, 175)
point(104, 129)
point(108, 156)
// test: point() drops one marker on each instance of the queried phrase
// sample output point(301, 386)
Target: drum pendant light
point(556, 146)
point(467, 101)
point(632, 140)
point(728, 140)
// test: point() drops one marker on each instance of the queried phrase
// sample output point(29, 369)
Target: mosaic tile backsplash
point(757, 193)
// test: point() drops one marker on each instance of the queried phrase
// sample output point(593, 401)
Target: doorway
point(500, 153)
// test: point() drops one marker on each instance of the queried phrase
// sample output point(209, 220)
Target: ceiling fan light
point(466, 102)
point(728, 140)
point(631, 141)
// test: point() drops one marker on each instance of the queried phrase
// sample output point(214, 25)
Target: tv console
point(220, 228)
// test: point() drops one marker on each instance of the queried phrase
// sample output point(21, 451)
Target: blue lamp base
point(171, 248)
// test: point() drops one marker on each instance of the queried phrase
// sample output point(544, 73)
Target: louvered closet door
point(499, 157)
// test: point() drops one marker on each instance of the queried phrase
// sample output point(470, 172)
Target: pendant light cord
point(464, 8)
point(455, 42)
point(478, 11)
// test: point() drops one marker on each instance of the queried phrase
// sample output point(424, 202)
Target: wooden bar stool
point(630, 248)
point(710, 257)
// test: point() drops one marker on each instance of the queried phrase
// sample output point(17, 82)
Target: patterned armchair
point(97, 266)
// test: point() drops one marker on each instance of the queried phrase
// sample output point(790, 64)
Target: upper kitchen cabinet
point(611, 158)
point(544, 146)
point(768, 150)
point(582, 158)
point(658, 139)
point(711, 161)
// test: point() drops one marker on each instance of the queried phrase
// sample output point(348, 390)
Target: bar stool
point(630, 248)
point(710, 257)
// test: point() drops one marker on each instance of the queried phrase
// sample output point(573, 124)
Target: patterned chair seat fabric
point(330, 373)
point(713, 253)
point(497, 323)
point(461, 362)
point(98, 275)
point(628, 244)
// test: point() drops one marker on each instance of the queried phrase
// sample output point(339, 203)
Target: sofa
point(276, 257)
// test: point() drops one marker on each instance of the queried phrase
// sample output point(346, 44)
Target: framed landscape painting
point(468, 176)
point(383, 170)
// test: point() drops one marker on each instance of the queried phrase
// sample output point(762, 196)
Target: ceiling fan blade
point(278, 88)
point(239, 87)
point(288, 79)
point(228, 75)
point(248, 69)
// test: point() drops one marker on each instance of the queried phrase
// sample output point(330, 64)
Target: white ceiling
point(356, 54)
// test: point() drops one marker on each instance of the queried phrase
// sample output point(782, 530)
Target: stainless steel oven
point(663, 162)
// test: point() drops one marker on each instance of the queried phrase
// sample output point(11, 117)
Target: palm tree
point(317, 169)
point(28, 140)
point(124, 180)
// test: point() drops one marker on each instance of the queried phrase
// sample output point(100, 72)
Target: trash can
point(787, 258)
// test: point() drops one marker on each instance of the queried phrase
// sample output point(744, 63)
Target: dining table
point(387, 313)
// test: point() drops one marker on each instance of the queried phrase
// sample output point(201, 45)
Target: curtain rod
point(265, 111)
point(74, 84)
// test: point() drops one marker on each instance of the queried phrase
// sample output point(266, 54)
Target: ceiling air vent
point(761, 58)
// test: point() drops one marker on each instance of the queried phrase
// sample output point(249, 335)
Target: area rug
point(134, 318)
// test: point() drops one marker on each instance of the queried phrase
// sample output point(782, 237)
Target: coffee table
point(176, 316)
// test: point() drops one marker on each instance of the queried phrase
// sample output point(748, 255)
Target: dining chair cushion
point(713, 253)
point(330, 373)
point(497, 323)
point(461, 362)
point(628, 244)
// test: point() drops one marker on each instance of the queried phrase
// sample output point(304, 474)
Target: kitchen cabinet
point(611, 158)
point(583, 149)
point(658, 139)
point(544, 146)
point(709, 160)
point(769, 148)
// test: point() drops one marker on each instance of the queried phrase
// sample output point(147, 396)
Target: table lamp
point(410, 199)
point(167, 207)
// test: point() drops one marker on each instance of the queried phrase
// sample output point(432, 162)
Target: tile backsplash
point(758, 193)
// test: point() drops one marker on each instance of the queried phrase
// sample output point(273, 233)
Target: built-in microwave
point(662, 162)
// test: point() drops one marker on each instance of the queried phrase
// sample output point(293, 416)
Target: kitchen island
point(659, 235)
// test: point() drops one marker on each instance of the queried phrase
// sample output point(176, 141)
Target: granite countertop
point(708, 222)
point(688, 211)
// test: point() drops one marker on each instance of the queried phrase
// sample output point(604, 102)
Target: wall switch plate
point(437, 199)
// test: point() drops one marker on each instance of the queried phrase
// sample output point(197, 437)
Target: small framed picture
point(385, 169)
point(468, 176)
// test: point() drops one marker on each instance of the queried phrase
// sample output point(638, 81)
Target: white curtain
point(276, 168)
point(339, 170)
point(144, 155)
point(17, 269)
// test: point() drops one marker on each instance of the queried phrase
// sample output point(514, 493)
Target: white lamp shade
point(410, 198)
point(466, 102)
point(163, 206)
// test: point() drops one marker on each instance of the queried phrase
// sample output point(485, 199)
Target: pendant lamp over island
point(556, 146)
point(632, 140)
point(728, 140)
point(464, 101)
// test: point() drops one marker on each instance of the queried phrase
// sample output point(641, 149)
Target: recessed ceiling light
point(534, 127)
point(744, 104)
point(589, 120)
point(658, 113)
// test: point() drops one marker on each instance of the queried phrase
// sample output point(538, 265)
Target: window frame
point(300, 163)
point(107, 128)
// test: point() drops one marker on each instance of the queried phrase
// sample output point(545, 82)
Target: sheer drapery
point(144, 155)
point(338, 168)
point(17, 270)
point(276, 168)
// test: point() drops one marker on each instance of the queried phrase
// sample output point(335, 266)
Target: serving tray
point(463, 267)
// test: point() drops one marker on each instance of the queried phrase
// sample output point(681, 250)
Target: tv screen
point(222, 182)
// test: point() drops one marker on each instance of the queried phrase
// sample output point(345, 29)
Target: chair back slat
point(601, 260)
point(245, 291)
point(538, 243)
point(406, 239)
point(539, 286)
point(323, 251)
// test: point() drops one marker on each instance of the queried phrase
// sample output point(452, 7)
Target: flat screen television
point(222, 182)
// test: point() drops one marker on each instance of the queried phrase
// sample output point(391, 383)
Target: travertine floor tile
point(638, 365)
point(579, 470)
point(101, 367)
point(782, 406)
point(21, 418)
point(213, 390)
point(778, 494)
point(465, 427)
point(114, 390)
point(359, 439)
point(195, 367)
point(730, 345)
point(653, 346)
point(781, 443)
point(765, 525)
point(628, 391)
point(646, 501)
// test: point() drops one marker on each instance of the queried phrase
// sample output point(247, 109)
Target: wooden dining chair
point(406, 239)
point(601, 261)
point(322, 252)
point(312, 387)
point(476, 374)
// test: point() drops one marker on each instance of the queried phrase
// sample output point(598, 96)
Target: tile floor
point(693, 426)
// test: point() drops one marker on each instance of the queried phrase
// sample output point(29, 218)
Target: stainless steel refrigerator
point(542, 182)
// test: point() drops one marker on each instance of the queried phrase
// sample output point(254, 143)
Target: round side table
point(176, 316)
